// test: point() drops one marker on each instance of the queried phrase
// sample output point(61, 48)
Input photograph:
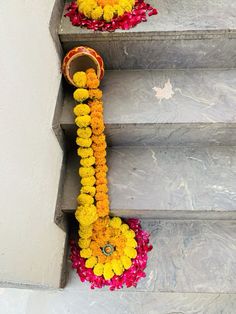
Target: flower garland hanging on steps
point(109, 251)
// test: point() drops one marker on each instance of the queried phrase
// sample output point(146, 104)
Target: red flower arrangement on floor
point(130, 277)
point(126, 21)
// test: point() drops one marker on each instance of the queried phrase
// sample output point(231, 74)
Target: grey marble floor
point(166, 107)
point(165, 96)
point(21, 301)
point(173, 182)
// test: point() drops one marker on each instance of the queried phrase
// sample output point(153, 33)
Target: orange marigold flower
point(100, 196)
point(99, 148)
point(95, 94)
point(92, 80)
point(102, 208)
point(101, 168)
point(97, 126)
point(90, 70)
point(101, 181)
point(102, 188)
point(98, 139)
point(96, 114)
point(98, 154)
point(100, 175)
point(96, 106)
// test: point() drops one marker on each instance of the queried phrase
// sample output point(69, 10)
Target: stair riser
point(162, 53)
point(164, 135)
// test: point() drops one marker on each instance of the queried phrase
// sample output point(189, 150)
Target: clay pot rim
point(66, 63)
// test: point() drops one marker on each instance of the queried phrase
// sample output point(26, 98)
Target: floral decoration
point(109, 15)
point(109, 251)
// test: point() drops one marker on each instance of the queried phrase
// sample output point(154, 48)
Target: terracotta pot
point(80, 59)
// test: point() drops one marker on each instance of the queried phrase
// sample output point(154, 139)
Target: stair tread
point(187, 256)
point(164, 182)
point(189, 96)
point(174, 18)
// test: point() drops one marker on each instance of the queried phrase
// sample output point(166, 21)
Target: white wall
point(31, 245)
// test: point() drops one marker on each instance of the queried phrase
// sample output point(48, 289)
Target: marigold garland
point(109, 251)
point(109, 15)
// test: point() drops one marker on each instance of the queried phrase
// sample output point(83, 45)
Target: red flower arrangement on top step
point(109, 15)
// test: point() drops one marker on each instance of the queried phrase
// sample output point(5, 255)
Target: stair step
point(185, 33)
point(193, 106)
point(171, 183)
point(187, 256)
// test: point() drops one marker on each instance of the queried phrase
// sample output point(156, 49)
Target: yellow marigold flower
point(86, 214)
point(107, 272)
point(130, 252)
point(84, 132)
point(85, 199)
point(86, 253)
point(83, 142)
point(87, 6)
point(86, 228)
point(126, 5)
point(129, 234)
point(81, 110)
point(86, 172)
point(90, 181)
point(91, 190)
point(87, 162)
point(91, 262)
point(124, 228)
point(85, 152)
point(80, 79)
point(119, 10)
point(97, 13)
point(84, 243)
point(98, 269)
point(108, 13)
point(81, 94)
point(126, 261)
point(117, 267)
point(115, 222)
point(83, 121)
point(131, 243)
point(85, 234)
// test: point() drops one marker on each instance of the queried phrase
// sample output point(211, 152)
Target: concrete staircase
point(170, 113)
